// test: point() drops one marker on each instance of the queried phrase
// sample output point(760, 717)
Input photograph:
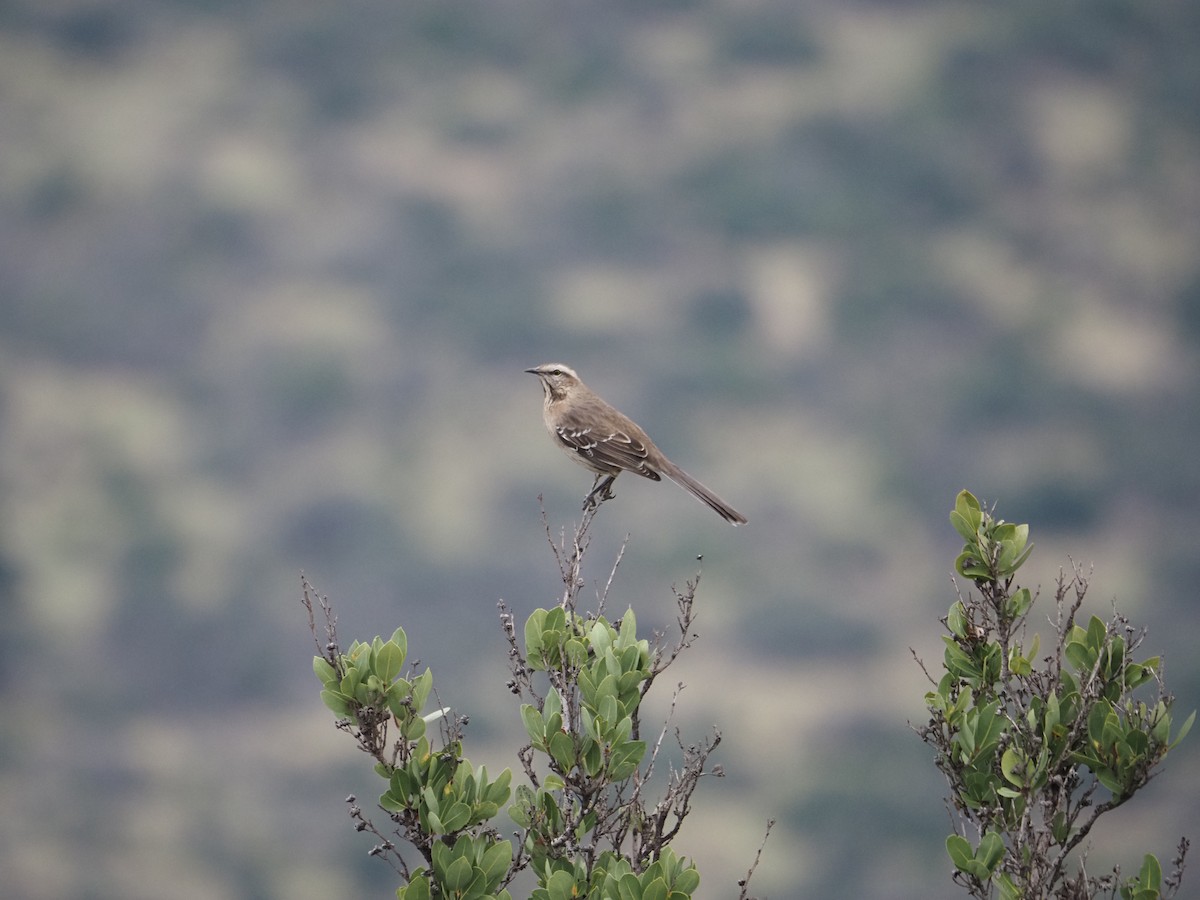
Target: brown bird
point(604, 441)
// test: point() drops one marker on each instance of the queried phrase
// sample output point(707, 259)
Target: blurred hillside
point(270, 274)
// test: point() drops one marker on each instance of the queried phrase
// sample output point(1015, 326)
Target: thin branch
point(744, 884)
point(658, 743)
point(602, 596)
point(329, 651)
point(921, 663)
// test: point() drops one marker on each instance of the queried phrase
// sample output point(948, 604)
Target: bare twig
point(744, 884)
point(521, 682)
point(921, 663)
point(602, 596)
point(309, 596)
point(1172, 882)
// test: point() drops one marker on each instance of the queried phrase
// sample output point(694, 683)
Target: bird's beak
point(533, 371)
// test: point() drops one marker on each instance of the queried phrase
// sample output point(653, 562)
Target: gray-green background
point(269, 274)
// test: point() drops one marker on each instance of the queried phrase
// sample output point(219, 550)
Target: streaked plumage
point(606, 442)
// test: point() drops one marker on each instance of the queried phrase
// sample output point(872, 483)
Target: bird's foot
point(601, 491)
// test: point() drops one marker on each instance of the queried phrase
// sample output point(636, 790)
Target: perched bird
point(601, 439)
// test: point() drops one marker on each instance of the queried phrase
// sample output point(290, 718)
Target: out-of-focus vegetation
point(269, 274)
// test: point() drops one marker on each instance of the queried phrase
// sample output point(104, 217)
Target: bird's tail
point(684, 480)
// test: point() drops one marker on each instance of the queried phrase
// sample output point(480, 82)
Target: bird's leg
point(601, 491)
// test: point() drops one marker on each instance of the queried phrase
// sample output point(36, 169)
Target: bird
point(607, 442)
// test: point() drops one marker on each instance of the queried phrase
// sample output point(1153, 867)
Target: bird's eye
point(556, 372)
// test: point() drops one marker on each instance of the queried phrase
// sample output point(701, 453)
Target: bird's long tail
point(686, 481)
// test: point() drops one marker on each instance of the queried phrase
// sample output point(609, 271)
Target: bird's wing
point(607, 448)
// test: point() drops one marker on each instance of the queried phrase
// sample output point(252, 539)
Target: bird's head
point(557, 379)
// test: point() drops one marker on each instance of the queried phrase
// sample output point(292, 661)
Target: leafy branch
point(595, 821)
point(1034, 750)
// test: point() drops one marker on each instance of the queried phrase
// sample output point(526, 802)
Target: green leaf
point(627, 634)
point(966, 516)
point(956, 619)
point(963, 527)
point(338, 702)
point(958, 662)
point(398, 700)
point(434, 824)
point(987, 728)
point(456, 818)
point(458, 874)
point(1051, 717)
point(1020, 560)
point(405, 783)
point(1079, 656)
point(1060, 828)
point(608, 708)
point(1012, 539)
point(1109, 779)
point(576, 652)
point(1019, 605)
point(562, 749)
point(351, 680)
point(1008, 890)
point(561, 886)
point(430, 798)
point(553, 707)
point(533, 638)
point(1187, 726)
point(590, 725)
point(623, 731)
point(417, 889)
point(421, 687)
point(413, 728)
point(391, 803)
point(991, 850)
point(600, 637)
point(389, 661)
point(970, 566)
point(1137, 674)
point(1114, 657)
point(1018, 664)
point(1151, 873)
point(324, 670)
point(629, 888)
point(520, 814)
point(1161, 729)
point(483, 811)
point(687, 881)
point(978, 870)
point(442, 856)
point(1012, 765)
point(499, 791)
point(960, 851)
point(496, 860)
point(625, 760)
point(1097, 721)
point(400, 639)
point(535, 725)
point(593, 759)
point(655, 890)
